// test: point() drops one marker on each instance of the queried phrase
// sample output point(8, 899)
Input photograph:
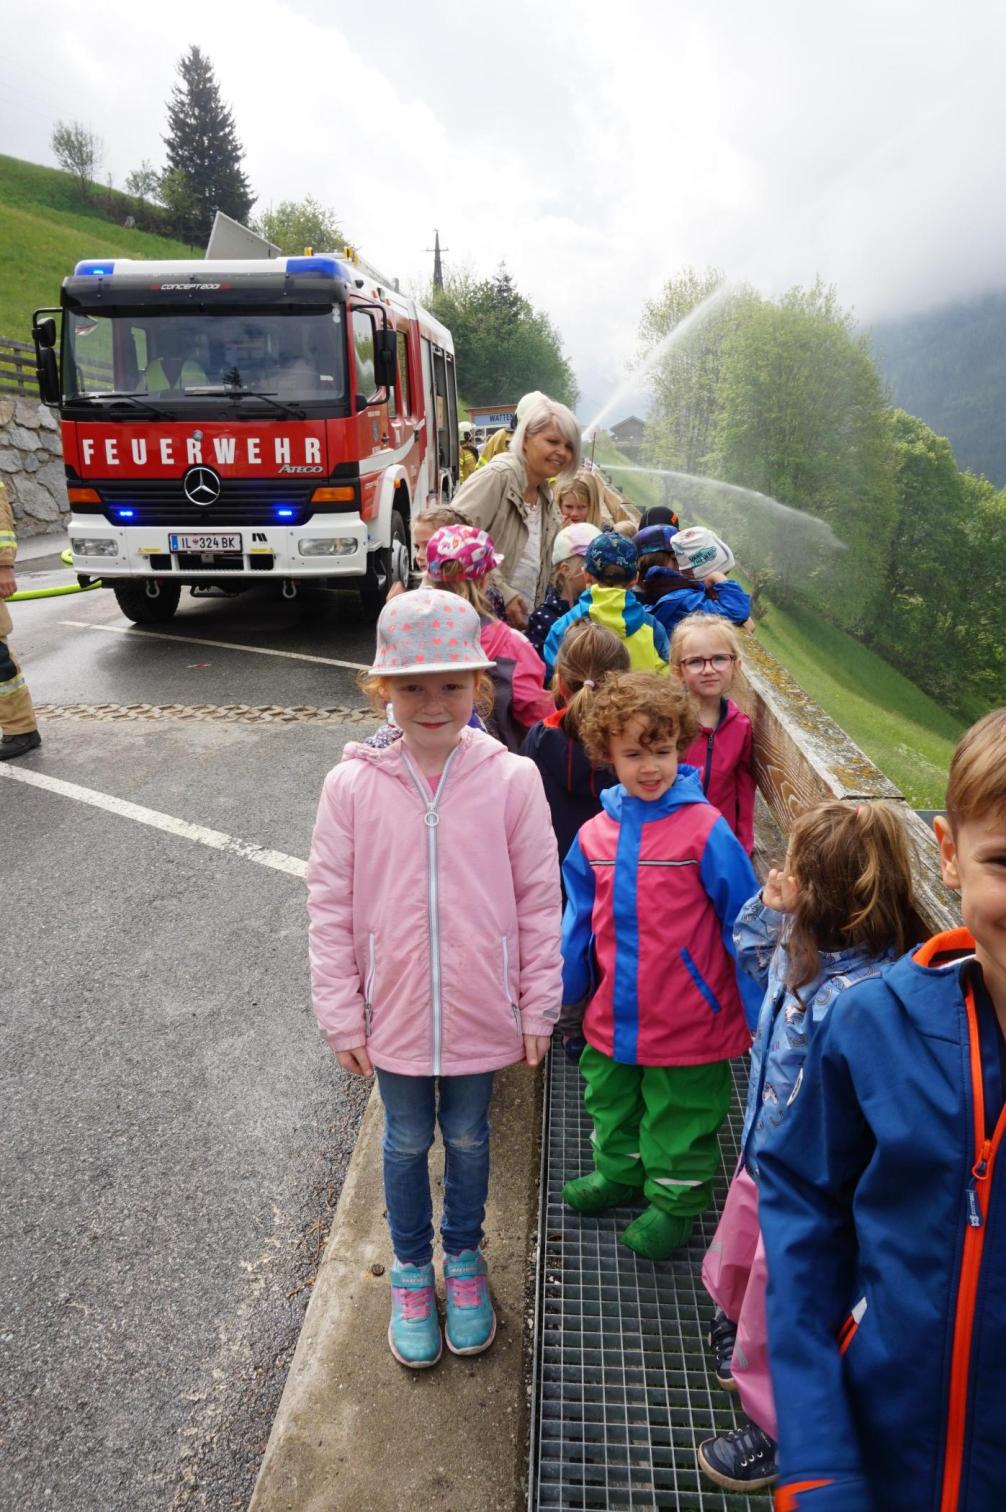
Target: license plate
point(192, 542)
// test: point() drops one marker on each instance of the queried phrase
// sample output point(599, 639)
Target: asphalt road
point(175, 1132)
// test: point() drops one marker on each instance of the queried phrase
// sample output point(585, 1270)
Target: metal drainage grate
point(623, 1389)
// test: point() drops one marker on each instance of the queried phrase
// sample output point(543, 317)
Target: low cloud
point(598, 151)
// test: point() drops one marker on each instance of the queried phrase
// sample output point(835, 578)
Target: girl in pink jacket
point(705, 653)
point(433, 894)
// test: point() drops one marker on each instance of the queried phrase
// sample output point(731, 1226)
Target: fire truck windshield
point(298, 357)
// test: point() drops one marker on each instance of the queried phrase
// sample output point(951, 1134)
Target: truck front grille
point(242, 501)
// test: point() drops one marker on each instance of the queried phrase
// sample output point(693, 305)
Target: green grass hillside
point(908, 735)
point(45, 228)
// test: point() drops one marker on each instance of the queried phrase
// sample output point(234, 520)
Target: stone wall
point(31, 467)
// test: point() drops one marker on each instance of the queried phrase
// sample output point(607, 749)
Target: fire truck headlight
point(84, 546)
point(339, 546)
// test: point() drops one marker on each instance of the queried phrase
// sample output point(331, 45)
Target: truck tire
point(389, 564)
point(137, 605)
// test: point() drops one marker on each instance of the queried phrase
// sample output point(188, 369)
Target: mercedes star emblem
point(201, 486)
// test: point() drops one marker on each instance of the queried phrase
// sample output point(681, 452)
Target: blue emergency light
point(125, 514)
point(285, 514)
point(322, 267)
point(84, 268)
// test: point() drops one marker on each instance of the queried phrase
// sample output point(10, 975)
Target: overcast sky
point(597, 147)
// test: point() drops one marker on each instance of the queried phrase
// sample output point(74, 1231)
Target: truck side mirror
point(46, 367)
point(47, 374)
point(385, 358)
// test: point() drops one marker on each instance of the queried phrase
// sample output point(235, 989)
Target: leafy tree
point(504, 347)
point(293, 225)
point(681, 426)
point(144, 182)
point(176, 195)
point(202, 145)
point(978, 579)
point(918, 606)
point(77, 150)
point(803, 420)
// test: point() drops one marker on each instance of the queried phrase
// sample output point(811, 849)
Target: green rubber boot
point(594, 1193)
point(656, 1234)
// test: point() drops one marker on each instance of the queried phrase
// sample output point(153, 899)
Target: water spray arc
point(680, 333)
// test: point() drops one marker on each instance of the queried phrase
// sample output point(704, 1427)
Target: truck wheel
point(388, 565)
point(137, 605)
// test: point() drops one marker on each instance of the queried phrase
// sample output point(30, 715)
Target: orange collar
point(950, 942)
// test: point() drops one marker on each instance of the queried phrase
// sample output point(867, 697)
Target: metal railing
point(17, 368)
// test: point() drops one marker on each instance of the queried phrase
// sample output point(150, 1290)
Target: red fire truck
point(228, 423)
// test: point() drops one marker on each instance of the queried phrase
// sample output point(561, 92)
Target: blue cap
point(609, 552)
point(654, 538)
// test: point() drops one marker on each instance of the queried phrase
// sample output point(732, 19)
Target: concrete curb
point(354, 1430)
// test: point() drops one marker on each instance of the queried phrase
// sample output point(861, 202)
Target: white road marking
point(215, 839)
point(194, 640)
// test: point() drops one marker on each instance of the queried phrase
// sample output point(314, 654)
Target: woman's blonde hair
point(540, 415)
point(854, 883)
point(588, 653)
point(725, 628)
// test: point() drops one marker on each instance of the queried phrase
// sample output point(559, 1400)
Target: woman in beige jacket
point(510, 498)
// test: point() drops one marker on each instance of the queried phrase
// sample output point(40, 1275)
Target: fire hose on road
point(40, 593)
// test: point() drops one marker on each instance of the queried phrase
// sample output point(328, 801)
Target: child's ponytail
point(854, 881)
point(587, 655)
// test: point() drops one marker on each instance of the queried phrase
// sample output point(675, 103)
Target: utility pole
point(438, 267)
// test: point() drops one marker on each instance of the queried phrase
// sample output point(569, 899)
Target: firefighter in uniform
point(468, 456)
point(17, 716)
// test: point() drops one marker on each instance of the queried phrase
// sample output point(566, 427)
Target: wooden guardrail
point(17, 368)
point(802, 757)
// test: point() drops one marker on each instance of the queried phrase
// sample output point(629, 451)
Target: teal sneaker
point(414, 1330)
point(471, 1322)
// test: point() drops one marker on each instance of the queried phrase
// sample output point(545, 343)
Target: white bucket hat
point(428, 630)
point(702, 551)
point(573, 540)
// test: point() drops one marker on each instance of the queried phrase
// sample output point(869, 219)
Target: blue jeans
point(410, 1118)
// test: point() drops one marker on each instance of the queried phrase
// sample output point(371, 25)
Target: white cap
point(573, 540)
point(702, 551)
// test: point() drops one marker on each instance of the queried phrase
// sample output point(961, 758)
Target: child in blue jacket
point(684, 572)
point(610, 567)
point(839, 910)
point(883, 1206)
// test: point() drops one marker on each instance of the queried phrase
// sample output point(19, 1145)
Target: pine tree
point(202, 144)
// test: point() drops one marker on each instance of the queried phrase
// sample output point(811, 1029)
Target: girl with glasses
point(705, 652)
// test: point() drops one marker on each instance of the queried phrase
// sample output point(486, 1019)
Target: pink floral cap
point(428, 630)
point(466, 544)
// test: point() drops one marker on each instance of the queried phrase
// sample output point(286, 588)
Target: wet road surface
point(175, 1131)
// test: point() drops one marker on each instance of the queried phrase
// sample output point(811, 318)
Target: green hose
point(41, 593)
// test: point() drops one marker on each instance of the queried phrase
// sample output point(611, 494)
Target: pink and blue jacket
point(653, 889)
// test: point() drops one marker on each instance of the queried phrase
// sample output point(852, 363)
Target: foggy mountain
point(948, 366)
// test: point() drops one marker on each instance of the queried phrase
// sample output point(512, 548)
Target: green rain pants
point(656, 1127)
